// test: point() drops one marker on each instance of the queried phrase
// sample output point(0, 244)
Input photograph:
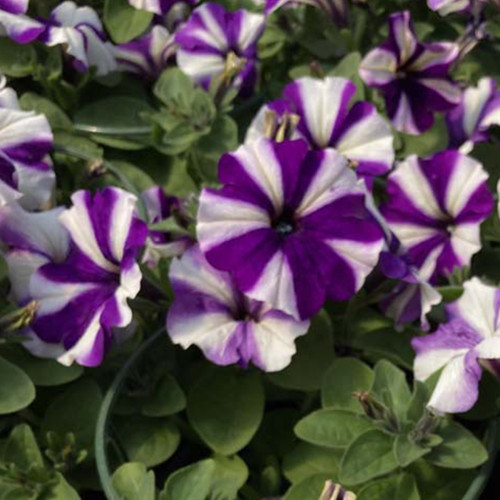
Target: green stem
point(477, 486)
point(111, 168)
point(103, 421)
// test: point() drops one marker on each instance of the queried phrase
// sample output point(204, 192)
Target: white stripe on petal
point(214, 34)
point(414, 183)
point(489, 348)
point(412, 235)
point(467, 176)
point(403, 120)
point(466, 241)
point(447, 90)
point(77, 221)
point(120, 221)
point(200, 66)
point(378, 67)
point(22, 264)
point(251, 27)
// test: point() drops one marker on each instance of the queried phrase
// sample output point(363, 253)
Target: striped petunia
point(26, 172)
point(471, 335)
point(470, 121)
point(290, 224)
point(435, 206)
point(15, 24)
point(164, 244)
point(413, 76)
point(81, 299)
point(445, 7)
point(80, 32)
point(214, 42)
point(210, 312)
point(147, 56)
point(327, 120)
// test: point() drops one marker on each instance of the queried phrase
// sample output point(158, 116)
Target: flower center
point(284, 224)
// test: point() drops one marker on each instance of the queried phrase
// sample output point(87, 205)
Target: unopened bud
point(333, 491)
point(19, 319)
point(377, 411)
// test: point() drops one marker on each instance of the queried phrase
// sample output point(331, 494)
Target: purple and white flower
point(413, 76)
point(26, 173)
point(470, 121)
point(335, 9)
point(147, 56)
point(435, 207)
point(471, 336)
point(445, 7)
point(164, 244)
point(159, 7)
point(290, 224)
point(80, 32)
point(326, 120)
point(213, 40)
point(210, 312)
point(15, 24)
point(81, 299)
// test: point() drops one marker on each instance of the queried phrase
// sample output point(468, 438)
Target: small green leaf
point(231, 473)
point(419, 399)
point(16, 60)
point(332, 428)
point(314, 356)
point(123, 21)
point(150, 441)
point(390, 387)
point(460, 448)
point(225, 408)
point(371, 455)
point(402, 487)
point(62, 490)
point(306, 460)
point(308, 489)
point(58, 119)
point(16, 389)
point(190, 483)
point(407, 451)
point(22, 449)
point(345, 377)
point(174, 87)
point(132, 481)
point(167, 398)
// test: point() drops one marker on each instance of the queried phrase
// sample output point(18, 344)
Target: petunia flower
point(413, 76)
point(159, 7)
point(470, 121)
point(336, 10)
point(290, 224)
point(26, 172)
point(163, 244)
point(435, 206)
point(445, 7)
point(326, 120)
point(80, 32)
point(81, 299)
point(208, 311)
point(15, 24)
point(147, 56)
point(215, 42)
point(470, 337)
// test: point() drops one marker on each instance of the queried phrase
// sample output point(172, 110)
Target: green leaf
point(140, 179)
point(450, 292)
point(345, 377)
point(402, 487)
point(190, 483)
point(306, 460)
point(407, 451)
point(16, 390)
point(22, 449)
point(16, 60)
point(58, 119)
point(166, 399)
point(435, 139)
point(314, 355)
point(43, 372)
point(437, 483)
point(225, 408)
point(132, 481)
point(76, 411)
point(348, 68)
point(121, 114)
point(308, 489)
point(460, 448)
point(62, 490)
point(390, 387)
point(150, 441)
point(332, 428)
point(123, 21)
point(419, 399)
point(371, 455)
point(231, 473)
point(174, 86)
